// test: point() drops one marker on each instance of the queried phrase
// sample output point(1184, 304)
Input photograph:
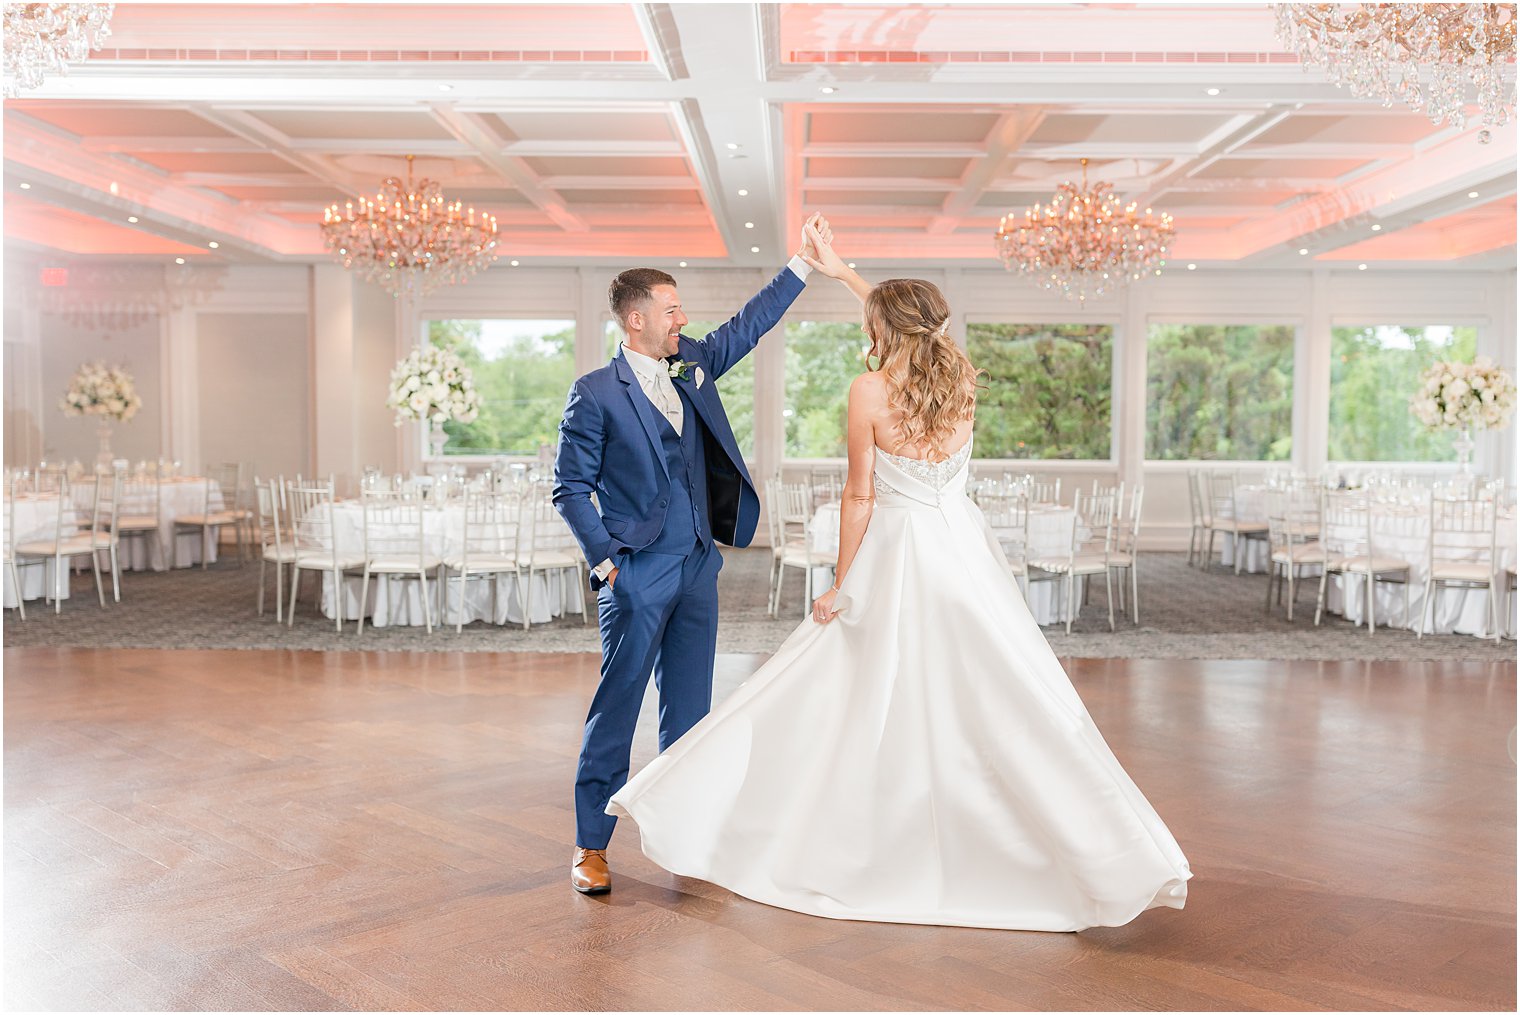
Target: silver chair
point(1293, 532)
point(488, 550)
point(1126, 554)
point(314, 543)
point(1087, 555)
point(1348, 532)
point(794, 508)
point(395, 547)
point(273, 540)
point(1461, 552)
point(1226, 515)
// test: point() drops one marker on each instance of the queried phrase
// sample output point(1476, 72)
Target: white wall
point(254, 407)
point(135, 347)
point(356, 333)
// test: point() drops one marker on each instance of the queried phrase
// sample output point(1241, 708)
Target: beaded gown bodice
point(934, 475)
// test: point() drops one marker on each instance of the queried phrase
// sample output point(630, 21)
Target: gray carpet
point(1185, 614)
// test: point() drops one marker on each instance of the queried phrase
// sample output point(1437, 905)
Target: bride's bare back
point(886, 423)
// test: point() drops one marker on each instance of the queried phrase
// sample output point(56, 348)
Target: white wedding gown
point(923, 758)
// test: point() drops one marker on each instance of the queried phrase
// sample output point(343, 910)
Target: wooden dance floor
point(283, 830)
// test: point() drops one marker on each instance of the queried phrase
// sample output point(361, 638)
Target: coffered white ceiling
point(705, 131)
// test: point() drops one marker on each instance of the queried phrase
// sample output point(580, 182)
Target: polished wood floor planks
point(326, 831)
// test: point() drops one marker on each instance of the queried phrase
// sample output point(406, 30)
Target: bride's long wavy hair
point(930, 382)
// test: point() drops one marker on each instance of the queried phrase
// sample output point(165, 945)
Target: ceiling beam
point(1003, 143)
point(472, 130)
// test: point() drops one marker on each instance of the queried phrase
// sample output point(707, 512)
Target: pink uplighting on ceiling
point(414, 28)
point(77, 233)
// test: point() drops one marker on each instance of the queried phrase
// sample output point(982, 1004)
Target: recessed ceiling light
point(514, 263)
point(743, 193)
point(828, 89)
point(749, 225)
point(851, 264)
point(131, 218)
point(26, 186)
point(179, 260)
point(754, 250)
point(680, 264)
point(213, 244)
point(1377, 228)
point(1192, 267)
point(445, 88)
point(1470, 193)
point(1361, 267)
point(1303, 250)
point(732, 147)
point(1212, 91)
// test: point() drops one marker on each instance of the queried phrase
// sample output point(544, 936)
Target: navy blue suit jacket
point(609, 441)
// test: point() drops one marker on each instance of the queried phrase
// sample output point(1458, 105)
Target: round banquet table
point(1399, 530)
point(1049, 536)
point(398, 601)
point(37, 518)
point(1403, 531)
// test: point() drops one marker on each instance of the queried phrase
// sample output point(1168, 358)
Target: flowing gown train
point(921, 759)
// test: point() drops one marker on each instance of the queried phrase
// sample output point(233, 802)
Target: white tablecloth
point(37, 518)
point(184, 496)
point(1049, 535)
point(1403, 532)
point(398, 601)
point(1252, 501)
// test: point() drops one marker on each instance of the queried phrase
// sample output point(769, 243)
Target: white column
point(334, 448)
point(1128, 380)
point(770, 381)
point(25, 404)
point(1495, 454)
point(591, 304)
point(1311, 381)
point(181, 373)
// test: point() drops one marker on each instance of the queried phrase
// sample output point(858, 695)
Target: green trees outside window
point(1219, 392)
point(822, 358)
point(523, 371)
point(1049, 390)
point(1373, 372)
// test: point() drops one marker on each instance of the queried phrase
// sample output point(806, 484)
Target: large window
point(822, 358)
point(1216, 391)
point(1048, 390)
point(1373, 372)
point(523, 370)
point(736, 388)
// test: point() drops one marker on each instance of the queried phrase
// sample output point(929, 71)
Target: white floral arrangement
point(101, 390)
point(433, 385)
point(1459, 396)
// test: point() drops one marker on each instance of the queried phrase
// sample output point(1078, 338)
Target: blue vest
point(686, 521)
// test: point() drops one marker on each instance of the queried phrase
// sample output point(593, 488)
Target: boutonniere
point(680, 368)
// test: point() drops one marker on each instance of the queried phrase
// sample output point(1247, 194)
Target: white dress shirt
point(655, 382)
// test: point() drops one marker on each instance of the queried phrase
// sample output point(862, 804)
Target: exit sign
point(55, 276)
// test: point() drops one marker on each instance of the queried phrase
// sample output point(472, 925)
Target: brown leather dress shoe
point(588, 872)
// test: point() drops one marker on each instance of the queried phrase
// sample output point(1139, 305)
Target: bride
point(914, 752)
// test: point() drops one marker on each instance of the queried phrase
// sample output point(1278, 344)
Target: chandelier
point(1085, 242)
point(408, 239)
point(1425, 54)
point(46, 38)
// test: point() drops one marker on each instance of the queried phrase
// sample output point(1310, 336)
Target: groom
point(647, 434)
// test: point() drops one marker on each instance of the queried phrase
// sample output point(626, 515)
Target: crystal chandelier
point(46, 38)
point(1085, 242)
point(1425, 54)
point(408, 239)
